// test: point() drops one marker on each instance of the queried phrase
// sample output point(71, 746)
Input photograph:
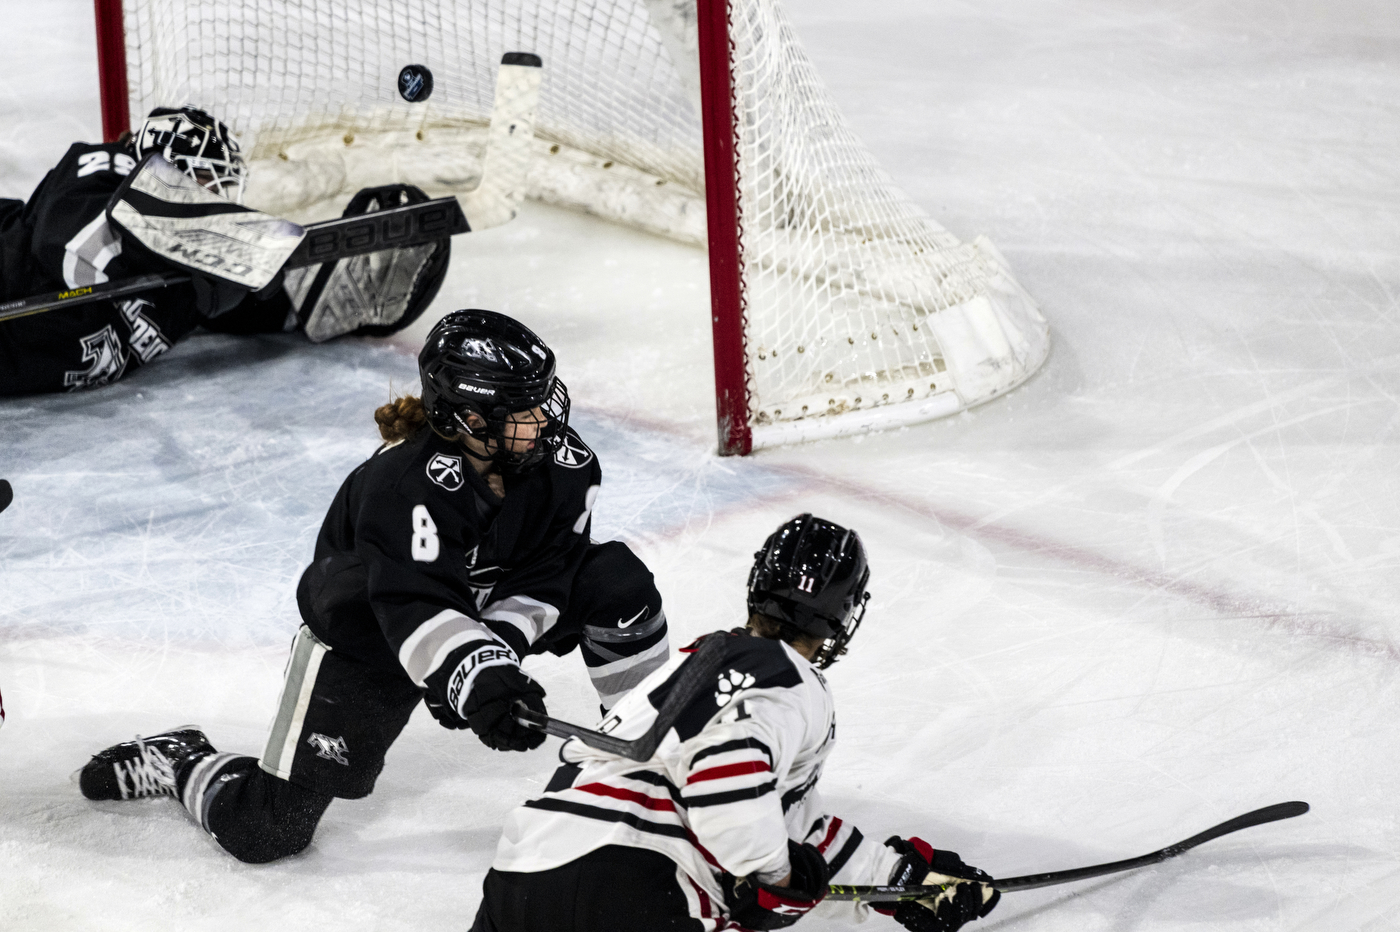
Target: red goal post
point(838, 305)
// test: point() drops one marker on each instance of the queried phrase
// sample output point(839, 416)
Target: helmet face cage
point(811, 576)
point(199, 145)
point(836, 646)
point(481, 363)
point(519, 437)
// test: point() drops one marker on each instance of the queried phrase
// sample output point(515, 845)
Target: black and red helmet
point(811, 576)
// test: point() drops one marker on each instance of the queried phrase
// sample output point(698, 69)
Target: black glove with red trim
point(966, 892)
point(763, 906)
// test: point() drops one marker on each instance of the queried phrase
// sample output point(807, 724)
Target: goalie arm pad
point(229, 250)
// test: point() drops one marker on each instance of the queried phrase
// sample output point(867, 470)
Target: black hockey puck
point(7, 494)
point(415, 83)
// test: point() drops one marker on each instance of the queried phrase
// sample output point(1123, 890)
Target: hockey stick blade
point(891, 894)
point(7, 494)
point(693, 678)
point(509, 145)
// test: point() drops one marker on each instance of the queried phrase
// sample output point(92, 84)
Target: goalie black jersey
point(60, 239)
point(418, 556)
point(732, 780)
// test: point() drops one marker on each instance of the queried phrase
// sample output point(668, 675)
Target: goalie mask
point(811, 575)
point(201, 146)
point(487, 364)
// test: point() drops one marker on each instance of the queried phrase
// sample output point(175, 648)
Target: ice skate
point(144, 767)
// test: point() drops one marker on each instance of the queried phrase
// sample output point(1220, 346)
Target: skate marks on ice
point(184, 500)
point(150, 571)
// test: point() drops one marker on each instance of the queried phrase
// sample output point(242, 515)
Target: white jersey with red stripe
point(732, 780)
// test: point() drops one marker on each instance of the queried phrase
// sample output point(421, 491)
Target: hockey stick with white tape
point(497, 197)
point(891, 894)
point(493, 202)
point(694, 677)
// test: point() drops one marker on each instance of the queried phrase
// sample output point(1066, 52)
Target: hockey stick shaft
point(562, 729)
point(889, 894)
point(693, 678)
point(72, 297)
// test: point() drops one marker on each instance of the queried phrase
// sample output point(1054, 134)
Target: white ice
point(1153, 588)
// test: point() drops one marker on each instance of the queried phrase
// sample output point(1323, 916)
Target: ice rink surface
point(1151, 589)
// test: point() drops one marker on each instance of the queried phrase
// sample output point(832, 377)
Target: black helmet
point(199, 145)
point(811, 575)
point(484, 363)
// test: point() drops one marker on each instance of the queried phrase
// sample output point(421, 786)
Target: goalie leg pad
point(374, 294)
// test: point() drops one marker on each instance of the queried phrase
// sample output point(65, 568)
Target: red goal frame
point(723, 209)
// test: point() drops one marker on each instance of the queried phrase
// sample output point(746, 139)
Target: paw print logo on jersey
point(446, 471)
point(730, 682)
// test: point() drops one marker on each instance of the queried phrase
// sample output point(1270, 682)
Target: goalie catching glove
point(476, 688)
point(967, 893)
point(375, 294)
point(762, 906)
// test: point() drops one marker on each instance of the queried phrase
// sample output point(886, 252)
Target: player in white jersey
point(723, 828)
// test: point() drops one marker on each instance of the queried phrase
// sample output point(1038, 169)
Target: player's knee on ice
point(615, 610)
point(258, 818)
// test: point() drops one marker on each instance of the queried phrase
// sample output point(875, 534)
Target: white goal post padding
point(858, 311)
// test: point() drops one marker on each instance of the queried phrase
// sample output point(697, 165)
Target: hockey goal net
point(839, 305)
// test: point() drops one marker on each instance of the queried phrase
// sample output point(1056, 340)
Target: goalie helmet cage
point(838, 305)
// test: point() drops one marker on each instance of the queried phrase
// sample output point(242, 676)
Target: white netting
point(854, 299)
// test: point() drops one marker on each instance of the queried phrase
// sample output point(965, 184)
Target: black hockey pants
point(612, 889)
point(339, 716)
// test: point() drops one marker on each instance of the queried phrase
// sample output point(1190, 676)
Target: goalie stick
point(492, 202)
point(891, 894)
point(695, 677)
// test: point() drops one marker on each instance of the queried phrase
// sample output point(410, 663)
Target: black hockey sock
point(197, 785)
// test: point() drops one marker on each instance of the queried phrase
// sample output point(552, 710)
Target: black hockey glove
point(475, 689)
point(487, 708)
point(963, 899)
point(761, 906)
point(444, 715)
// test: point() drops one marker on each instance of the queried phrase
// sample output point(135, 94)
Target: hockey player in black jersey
point(62, 238)
point(723, 827)
point(459, 548)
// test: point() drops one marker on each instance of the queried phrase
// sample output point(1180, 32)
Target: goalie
point(68, 236)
